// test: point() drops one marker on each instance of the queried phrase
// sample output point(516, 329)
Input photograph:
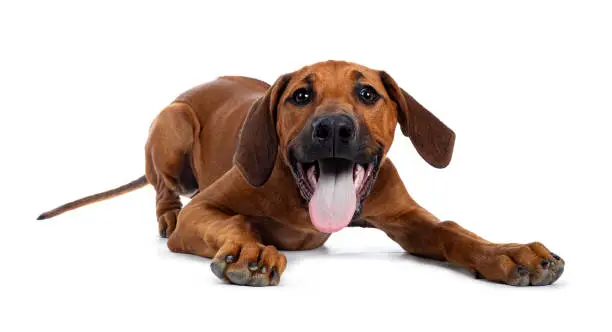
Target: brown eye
point(301, 97)
point(367, 95)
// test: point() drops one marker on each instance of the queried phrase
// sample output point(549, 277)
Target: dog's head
point(332, 124)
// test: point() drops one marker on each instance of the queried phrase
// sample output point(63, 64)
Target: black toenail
point(239, 277)
point(218, 269)
point(555, 256)
point(253, 266)
point(273, 274)
point(477, 275)
point(163, 232)
point(545, 263)
point(522, 271)
point(263, 269)
point(229, 258)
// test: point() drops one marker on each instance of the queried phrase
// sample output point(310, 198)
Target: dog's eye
point(367, 95)
point(301, 97)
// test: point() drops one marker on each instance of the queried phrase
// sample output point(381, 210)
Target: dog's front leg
point(392, 210)
point(238, 256)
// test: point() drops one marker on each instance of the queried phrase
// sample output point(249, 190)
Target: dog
point(284, 166)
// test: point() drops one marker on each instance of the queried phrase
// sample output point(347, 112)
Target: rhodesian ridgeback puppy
point(284, 166)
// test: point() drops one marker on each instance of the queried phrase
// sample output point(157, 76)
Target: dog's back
point(203, 121)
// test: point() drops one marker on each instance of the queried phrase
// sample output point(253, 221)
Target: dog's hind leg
point(169, 162)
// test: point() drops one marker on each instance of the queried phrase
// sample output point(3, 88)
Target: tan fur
point(245, 201)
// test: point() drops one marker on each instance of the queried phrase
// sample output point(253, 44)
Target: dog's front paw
point(519, 264)
point(166, 223)
point(249, 264)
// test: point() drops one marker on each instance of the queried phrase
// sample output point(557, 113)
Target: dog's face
point(332, 124)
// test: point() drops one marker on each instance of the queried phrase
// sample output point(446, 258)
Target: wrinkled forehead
point(329, 77)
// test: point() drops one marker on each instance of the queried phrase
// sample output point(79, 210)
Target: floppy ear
point(258, 142)
point(433, 140)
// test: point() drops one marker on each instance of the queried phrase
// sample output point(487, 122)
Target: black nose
point(335, 129)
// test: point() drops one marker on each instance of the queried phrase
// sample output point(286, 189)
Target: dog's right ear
point(258, 142)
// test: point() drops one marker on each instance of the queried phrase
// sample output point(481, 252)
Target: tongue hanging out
point(333, 203)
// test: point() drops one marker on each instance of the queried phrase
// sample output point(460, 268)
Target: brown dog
point(283, 166)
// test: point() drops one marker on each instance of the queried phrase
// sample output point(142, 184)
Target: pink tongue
point(334, 200)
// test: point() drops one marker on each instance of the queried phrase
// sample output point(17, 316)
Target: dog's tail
point(126, 188)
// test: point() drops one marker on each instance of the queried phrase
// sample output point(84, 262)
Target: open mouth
point(334, 189)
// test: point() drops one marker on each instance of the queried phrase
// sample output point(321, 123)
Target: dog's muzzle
point(334, 169)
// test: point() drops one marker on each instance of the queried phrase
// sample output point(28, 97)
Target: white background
point(525, 85)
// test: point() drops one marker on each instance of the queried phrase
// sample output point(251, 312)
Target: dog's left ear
point(433, 140)
point(258, 142)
